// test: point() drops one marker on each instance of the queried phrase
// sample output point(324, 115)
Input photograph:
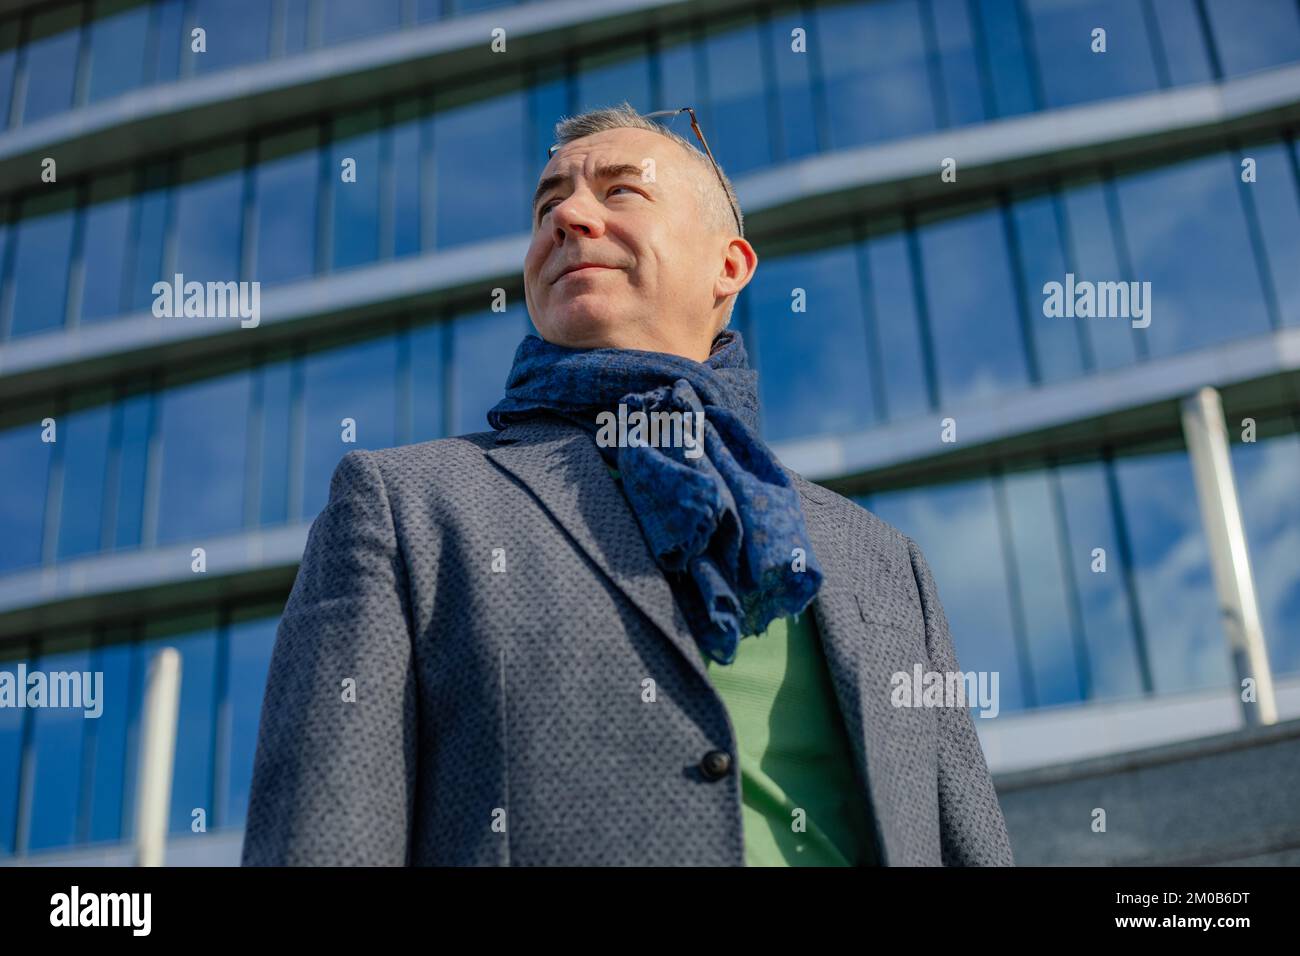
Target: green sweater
point(794, 754)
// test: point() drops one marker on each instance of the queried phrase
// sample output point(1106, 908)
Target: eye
point(545, 207)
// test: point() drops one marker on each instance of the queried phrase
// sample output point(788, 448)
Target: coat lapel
point(862, 655)
point(560, 465)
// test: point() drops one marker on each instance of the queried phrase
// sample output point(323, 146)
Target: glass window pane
point(24, 475)
point(171, 41)
point(679, 70)
point(358, 382)
point(406, 176)
point(8, 64)
point(978, 348)
point(119, 38)
point(238, 31)
point(285, 182)
point(548, 100)
point(956, 527)
point(106, 236)
point(56, 748)
point(107, 785)
point(1265, 472)
point(1009, 59)
point(1114, 668)
point(883, 95)
point(5, 234)
point(192, 768)
point(796, 133)
point(132, 430)
point(203, 427)
point(1071, 72)
point(50, 55)
point(347, 20)
point(277, 409)
point(149, 232)
point(807, 386)
point(736, 121)
point(1043, 589)
point(479, 149)
point(427, 382)
point(207, 235)
point(250, 645)
point(1268, 34)
point(1093, 259)
point(1041, 259)
point(428, 10)
point(42, 254)
point(1175, 589)
point(11, 750)
point(84, 439)
point(958, 65)
point(1277, 206)
point(296, 13)
point(1187, 236)
point(1182, 41)
point(483, 348)
point(473, 6)
point(356, 198)
point(610, 77)
point(897, 325)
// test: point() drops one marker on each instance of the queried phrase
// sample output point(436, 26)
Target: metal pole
point(157, 749)
point(1207, 444)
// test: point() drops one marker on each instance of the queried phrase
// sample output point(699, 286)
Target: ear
point(738, 265)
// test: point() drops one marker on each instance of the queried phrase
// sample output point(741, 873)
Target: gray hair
point(717, 198)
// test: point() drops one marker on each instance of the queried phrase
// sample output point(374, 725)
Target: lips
point(580, 265)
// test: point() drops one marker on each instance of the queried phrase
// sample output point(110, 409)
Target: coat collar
point(560, 465)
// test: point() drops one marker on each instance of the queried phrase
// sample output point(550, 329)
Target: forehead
point(630, 145)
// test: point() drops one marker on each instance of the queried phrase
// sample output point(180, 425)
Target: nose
point(575, 216)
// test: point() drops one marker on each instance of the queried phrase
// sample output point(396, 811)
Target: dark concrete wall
point(1232, 799)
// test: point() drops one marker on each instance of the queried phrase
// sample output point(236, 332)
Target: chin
point(585, 325)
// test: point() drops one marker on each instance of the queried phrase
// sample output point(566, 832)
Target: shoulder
point(853, 515)
point(892, 562)
point(435, 454)
point(402, 469)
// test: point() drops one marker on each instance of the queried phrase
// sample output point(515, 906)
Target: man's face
point(626, 205)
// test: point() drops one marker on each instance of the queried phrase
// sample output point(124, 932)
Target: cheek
point(533, 262)
point(680, 266)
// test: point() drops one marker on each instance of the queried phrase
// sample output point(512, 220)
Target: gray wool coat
point(481, 664)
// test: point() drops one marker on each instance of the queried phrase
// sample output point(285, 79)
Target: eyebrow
point(609, 171)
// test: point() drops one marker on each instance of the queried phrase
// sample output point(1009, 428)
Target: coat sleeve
point(334, 773)
point(972, 830)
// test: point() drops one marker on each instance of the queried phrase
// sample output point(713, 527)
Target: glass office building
point(893, 304)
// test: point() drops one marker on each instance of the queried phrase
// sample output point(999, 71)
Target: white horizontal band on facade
point(80, 591)
point(60, 359)
point(1026, 411)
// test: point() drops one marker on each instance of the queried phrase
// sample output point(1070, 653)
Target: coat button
point(715, 765)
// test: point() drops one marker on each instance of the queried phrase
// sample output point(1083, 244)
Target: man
point(563, 642)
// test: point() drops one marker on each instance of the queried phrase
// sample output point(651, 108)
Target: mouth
point(582, 268)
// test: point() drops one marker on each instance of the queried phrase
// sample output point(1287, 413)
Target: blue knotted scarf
point(727, 527)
